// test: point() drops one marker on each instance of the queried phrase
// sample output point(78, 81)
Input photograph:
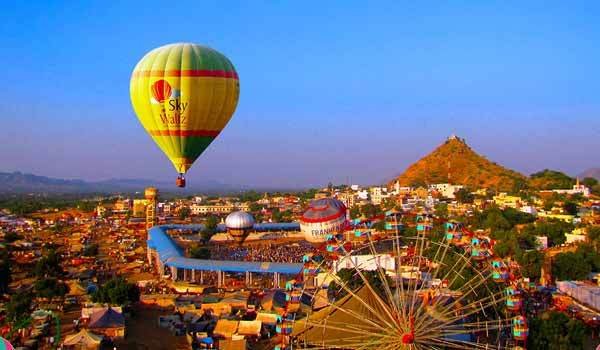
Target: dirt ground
point(143, 333)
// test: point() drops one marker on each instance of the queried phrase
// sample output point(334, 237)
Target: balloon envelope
point(184, 95)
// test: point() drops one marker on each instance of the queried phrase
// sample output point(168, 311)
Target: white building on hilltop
point(577, 189)
point(446, 190)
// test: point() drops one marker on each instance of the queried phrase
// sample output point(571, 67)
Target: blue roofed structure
point(171, 255)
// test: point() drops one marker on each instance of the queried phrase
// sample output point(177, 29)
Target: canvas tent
point(249, 328)
point(84, 340)
point(108, 322)
point(226, 328)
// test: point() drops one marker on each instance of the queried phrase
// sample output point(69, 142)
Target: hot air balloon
point(184, 95)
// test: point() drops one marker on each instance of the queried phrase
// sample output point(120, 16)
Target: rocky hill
point(456, 163)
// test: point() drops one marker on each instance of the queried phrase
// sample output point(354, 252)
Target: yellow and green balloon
point(184, 95)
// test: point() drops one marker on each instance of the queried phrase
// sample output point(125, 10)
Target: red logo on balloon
point(161, 90)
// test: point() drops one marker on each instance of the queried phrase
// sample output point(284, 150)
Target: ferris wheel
point(431, 290)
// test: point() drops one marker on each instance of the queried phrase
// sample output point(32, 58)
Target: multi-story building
point(139, 208)
point(446, 190)
point(198, 209)
point(378, 194)
point(503, 200)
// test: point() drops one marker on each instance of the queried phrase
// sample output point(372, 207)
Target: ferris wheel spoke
point(375, 295)
point(366, 304)
point(384, 280)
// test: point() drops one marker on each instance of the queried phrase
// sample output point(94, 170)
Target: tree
point(90, 250)
point(554, 330)
point(570, 266)
point(370, 210)
point(441, 210)
point(50, 288)
point(554, 229)
point(184, 213)
point(496, 221)
point(379, 225)
point(200, 252)
point(570, 208)
point(589, 182)
point(18, 307)
point(593, 235)
point(464, 196)
point(48, 265)
point(531, 263)
point(254, 207)
point(117, 291)
point(355, 212)
point(210, 228)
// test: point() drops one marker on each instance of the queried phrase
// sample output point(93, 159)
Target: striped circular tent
point(184, 95)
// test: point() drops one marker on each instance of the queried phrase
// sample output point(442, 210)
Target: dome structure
point(239, 220)
point(322, 217)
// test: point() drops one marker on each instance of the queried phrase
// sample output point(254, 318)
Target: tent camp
point(84, 340)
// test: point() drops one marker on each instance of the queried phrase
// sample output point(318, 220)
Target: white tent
point(84, 340)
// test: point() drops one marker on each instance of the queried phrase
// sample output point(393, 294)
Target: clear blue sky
point(328, 92)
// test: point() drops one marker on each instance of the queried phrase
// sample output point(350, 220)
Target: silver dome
point(239, 220)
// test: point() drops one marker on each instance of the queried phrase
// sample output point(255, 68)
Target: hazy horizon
point(329, 92)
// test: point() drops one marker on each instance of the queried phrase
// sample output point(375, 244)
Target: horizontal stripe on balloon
point(202, 133)
point(185, 73)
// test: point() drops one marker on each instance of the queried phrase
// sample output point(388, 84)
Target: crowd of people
point(282, 253)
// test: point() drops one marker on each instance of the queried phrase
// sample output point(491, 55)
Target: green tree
point(370, 210)
point(464, 196)
point(91, 250)
point(254, 207)
point(570, 266)
point(589, 182)
point(441, 210)
point(593, 235)
point(210, 228)
point(570, 208)
point(379, 225)
point(531, 263)
point(200, 252)
point(18, 307)
point(184, 213)
point(50, 288)
point(554, 229)
point(355, 212)
point(554, 330)
point(117, 291)
point(48, 265)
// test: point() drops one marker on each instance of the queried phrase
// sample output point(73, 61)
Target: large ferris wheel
point(429, 290)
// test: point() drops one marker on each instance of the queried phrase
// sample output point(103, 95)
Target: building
point(378, 194)
point(446, 190)
point(505, 201)
point(348, 198)
point(139, 208)
point(577, 189)
point(100, 211)
point(198, 209)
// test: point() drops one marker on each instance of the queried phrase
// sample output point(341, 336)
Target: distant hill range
point(593, 172)
point(17, 182)
point(456, 163)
